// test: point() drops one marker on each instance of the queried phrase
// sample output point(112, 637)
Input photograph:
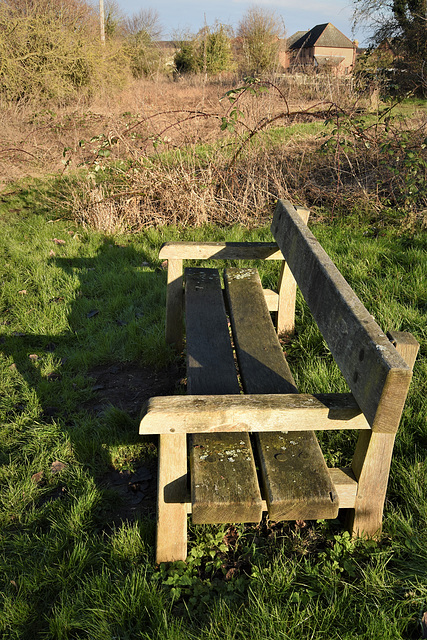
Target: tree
point(402, 21)
point(113, 19)
point(215, 49)
point(185, 58)
point(143, 31)
point(209, 51)
point(145, 20)
point(259, 34)
point(71, 14)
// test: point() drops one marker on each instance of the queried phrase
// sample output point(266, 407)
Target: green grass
point(67, 568)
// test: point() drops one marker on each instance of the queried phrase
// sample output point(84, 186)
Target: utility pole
point(102, 21)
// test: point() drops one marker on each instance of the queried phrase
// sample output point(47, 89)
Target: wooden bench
point(250, 434)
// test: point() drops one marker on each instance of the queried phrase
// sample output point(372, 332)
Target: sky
point(178, 16)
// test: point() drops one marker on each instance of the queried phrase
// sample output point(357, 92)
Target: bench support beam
point(251, 413)
point(288, 293)
point(372, 459)
point(174, 302)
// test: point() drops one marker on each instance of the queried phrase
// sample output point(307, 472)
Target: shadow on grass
point(90, 382)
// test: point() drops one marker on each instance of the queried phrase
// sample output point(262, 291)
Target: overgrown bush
point(185, 58)
point(142, 32)
point(52, 51)
point(144, 55)
point(209, 51)
point(382, 157)
point(323, 156)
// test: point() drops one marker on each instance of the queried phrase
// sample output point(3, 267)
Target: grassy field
point(77, 482)
point(82, 346)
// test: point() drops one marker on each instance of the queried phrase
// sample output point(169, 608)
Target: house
point(323, 47)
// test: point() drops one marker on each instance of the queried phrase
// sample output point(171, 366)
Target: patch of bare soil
point(127, 386)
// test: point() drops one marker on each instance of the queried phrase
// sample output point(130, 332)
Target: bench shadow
point(96, 403)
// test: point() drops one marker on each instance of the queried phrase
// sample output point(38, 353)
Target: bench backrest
point(376, 374)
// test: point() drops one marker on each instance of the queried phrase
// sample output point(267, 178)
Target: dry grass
point(169, 162)
point(33, 141)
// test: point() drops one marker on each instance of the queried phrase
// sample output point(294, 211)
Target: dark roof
point(322, 35)
point(293, 38)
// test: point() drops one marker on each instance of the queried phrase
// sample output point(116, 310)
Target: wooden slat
point(251, 413)
point(376, 374)
point(220, 251)
point(259, 353)
point(224, 485)
point(297, 484)
point(344, 483)
point(295, 477)
point(271, 299)
point(372, 459)
point(210, 361)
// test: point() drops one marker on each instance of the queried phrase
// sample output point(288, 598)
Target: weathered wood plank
point(251, 413)
point(376, 374)
point(171, 532)
point(406, 345)
point(224, 485)
point(296, 481)
point(271, 299)
point(372, 459)
point(288, 292)
point(220, 251)
point(210, 360)
point(295, 486)
point(344, 483)
point(259, 353)
point(174, 300)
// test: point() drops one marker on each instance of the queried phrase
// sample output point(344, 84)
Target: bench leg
point(287, 290)
point(372, 459)
point(171, 537)
point(371, 466)
point(174, 300)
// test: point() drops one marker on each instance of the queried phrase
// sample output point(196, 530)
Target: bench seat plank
point(224, 484)
point(297, 482)
point(294, 473)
